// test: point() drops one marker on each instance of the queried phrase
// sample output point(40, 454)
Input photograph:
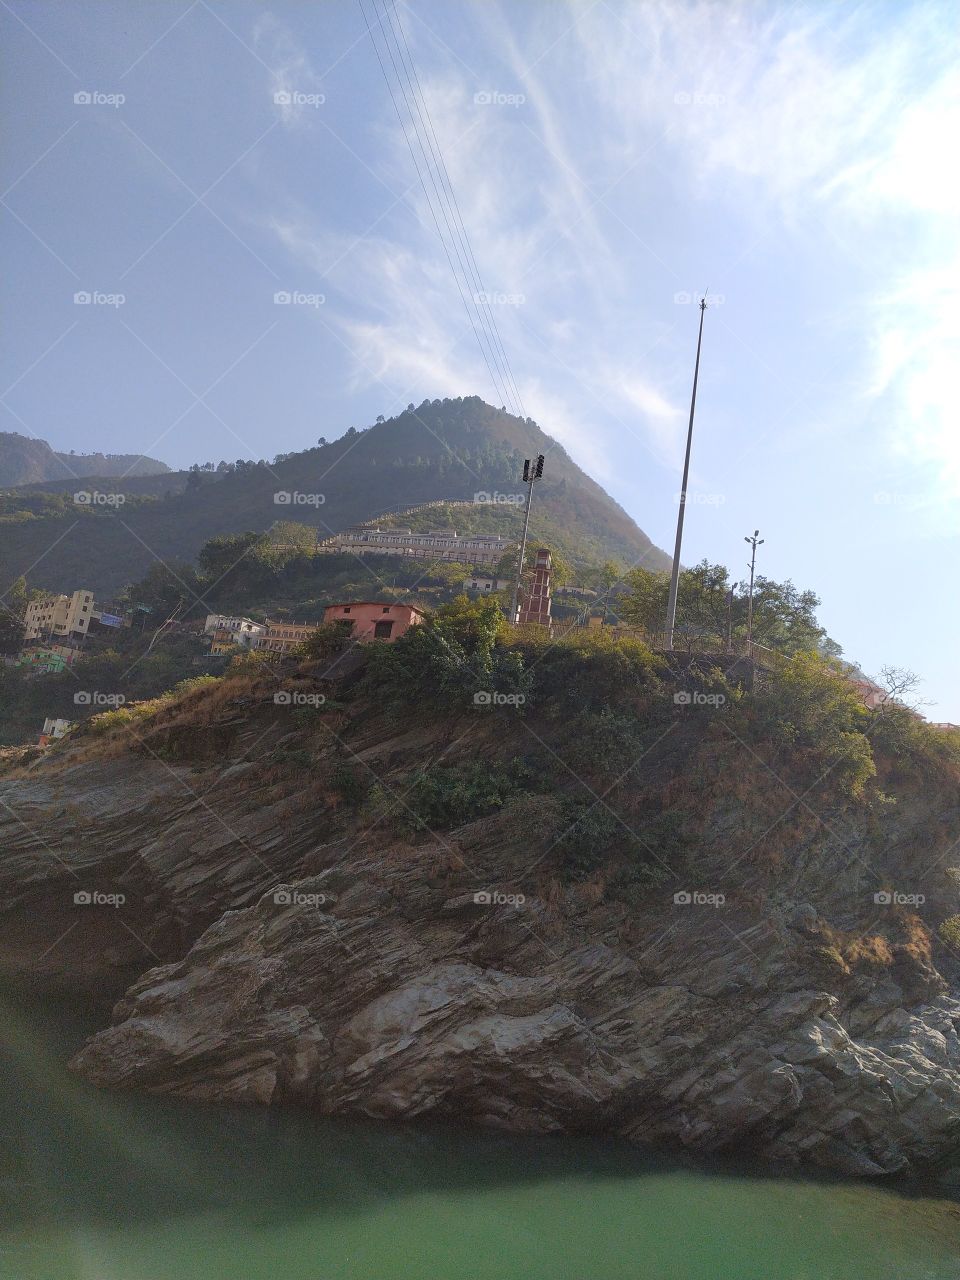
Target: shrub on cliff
point(807, 713)
point(442, 797)
point(590, 670)
point(447, 661)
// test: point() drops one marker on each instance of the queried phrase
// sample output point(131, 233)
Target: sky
point(612, 162)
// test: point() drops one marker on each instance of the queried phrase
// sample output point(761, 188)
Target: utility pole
point(730, 620)
point(675, 575)
point(755, 541)
point(532, 471)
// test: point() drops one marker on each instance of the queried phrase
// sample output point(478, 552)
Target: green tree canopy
point(784, 618)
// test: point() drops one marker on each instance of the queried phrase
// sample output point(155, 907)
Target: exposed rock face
point(301, 961)
point(375, 1002)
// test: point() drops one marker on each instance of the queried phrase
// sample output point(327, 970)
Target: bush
point(591, 670)
point(593, 835)
point(348, 781)
point(446, 661)
point(604, 743)
point(328, 639)
point(949, 932)
point(588, 831)
point(806, 707)
point(444, 797)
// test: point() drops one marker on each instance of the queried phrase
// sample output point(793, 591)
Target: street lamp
point(755, 541)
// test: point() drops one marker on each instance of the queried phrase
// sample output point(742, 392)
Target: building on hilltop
point(373, 619)
point(536, 602)
point(58, 616)
point(436, 544)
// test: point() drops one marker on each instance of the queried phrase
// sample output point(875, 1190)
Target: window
point(346, 608)
point(386, 608)
point(382, 630)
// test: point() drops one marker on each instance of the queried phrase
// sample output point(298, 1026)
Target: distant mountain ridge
point(439, 451)
point(25, 460)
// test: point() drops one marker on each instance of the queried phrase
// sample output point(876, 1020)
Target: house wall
point(367, 616)
point(58, 616)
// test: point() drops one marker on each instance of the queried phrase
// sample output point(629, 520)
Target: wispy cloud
point(295, 87)
point(817, 130)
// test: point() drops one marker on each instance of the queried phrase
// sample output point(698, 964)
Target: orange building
point(374, 620)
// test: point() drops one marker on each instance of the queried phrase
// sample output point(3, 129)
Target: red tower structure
point(536, 605)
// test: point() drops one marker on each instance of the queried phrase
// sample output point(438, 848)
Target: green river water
point(96, 1186)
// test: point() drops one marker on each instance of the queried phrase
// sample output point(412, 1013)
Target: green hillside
point(26, 460)
point(449, 449)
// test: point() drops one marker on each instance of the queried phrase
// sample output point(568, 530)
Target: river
point(98, 1186)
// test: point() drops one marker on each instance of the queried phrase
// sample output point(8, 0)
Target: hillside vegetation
point(476, 876)
point(444, 449)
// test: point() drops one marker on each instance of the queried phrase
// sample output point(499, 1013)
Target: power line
point(436, 161)
point(492, 351)
point(452, 199)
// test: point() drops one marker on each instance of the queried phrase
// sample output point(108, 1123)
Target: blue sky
point(609, 160)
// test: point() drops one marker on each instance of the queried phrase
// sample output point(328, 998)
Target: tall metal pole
point(532, 470)
point(675, 575)
point(755, 541)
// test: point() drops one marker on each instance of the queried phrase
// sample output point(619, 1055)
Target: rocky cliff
point(255, 880)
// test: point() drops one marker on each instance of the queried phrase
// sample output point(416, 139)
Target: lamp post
point(675, 575)
point(755, 541)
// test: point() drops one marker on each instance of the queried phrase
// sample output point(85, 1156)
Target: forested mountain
point(443, 449)
point(24, 460)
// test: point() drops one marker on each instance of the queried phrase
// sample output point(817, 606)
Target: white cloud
point(809, 129)
point(295, 88)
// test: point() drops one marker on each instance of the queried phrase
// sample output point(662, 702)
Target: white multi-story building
point(67, 616)
point(436, 544)
point(242, 631)
point(482, 585)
